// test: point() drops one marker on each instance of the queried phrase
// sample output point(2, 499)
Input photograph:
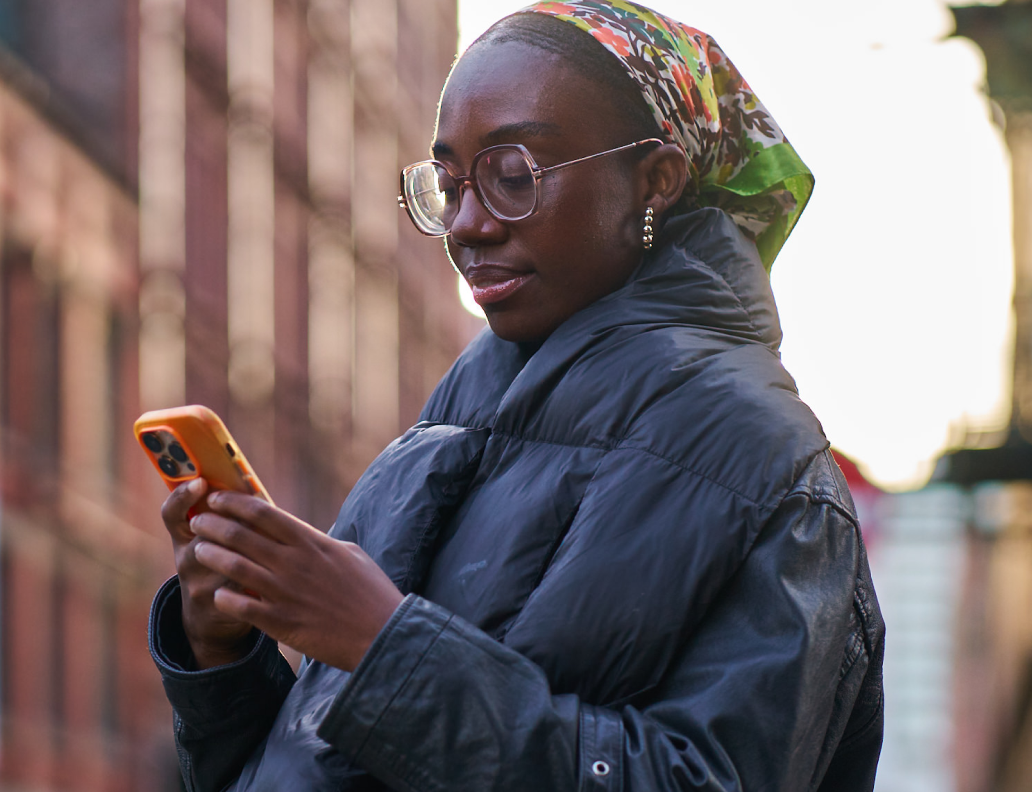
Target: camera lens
point(177, 452)
point(168, 466)
point(153, 442)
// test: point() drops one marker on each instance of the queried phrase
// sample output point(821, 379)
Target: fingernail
point(195, 486)
point(214, 498)
point(199, 546)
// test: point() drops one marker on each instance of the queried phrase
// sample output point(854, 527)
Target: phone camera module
point(153, 442)
point(177, 453)
point(168, 466)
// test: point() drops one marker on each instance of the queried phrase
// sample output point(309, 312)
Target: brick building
point(197, 204)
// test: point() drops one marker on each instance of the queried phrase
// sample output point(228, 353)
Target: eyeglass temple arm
point(539, 171)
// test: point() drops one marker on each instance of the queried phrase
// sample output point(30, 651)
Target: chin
point(509, 328)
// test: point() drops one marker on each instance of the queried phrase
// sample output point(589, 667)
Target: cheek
point(596, 253)
point(605, 227)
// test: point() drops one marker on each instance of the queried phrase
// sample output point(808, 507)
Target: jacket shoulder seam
point(598, 445)
point(621, 446)
point(821, 498)
point(822, 495)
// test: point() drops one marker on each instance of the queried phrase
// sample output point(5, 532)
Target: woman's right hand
point(216, 639)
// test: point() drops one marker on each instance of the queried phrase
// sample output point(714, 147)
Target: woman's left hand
point(322, 597)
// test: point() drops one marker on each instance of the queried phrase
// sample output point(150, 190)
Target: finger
point(198, 590)
point(262, 515)
point(236, 536)
point(237, 568)
point(245, 608)
point(175, 509)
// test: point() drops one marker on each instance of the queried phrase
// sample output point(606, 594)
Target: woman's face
point(584, 241)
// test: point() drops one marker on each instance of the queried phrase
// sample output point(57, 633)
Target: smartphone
point(190, 442)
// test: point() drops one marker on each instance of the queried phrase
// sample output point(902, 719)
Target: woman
point(615, 552)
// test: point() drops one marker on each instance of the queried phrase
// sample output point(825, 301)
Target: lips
point(492, 283)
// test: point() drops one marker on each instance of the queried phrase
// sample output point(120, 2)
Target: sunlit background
point(895, 287)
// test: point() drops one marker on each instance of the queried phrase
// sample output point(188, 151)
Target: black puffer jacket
point(631, 565)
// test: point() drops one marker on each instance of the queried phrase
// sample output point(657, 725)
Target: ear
point(663, 174)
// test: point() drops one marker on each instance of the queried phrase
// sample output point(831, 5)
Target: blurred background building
point(197, 204)
point(954, 561)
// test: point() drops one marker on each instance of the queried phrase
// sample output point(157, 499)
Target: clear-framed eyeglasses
point(505, 178)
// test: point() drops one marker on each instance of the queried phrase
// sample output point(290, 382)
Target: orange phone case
point(184, 443)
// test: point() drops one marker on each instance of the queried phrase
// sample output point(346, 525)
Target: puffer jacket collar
point(703, 274)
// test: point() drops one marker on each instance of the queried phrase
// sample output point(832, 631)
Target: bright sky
point(894, 289)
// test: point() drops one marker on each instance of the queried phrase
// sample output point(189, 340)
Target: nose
point(474, 226)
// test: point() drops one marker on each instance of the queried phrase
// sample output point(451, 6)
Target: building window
point(58, 650)
point(109, 666)
point(29, 380)
point(5, 627)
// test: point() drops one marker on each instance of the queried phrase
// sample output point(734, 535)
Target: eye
point(445, 187)
point(516, 181)
point(510, 173)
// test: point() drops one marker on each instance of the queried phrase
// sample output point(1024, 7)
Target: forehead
point(514, 85)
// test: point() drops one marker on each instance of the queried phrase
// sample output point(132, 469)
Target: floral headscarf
point(739, 159)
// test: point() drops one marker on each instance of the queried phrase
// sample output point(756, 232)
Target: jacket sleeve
point(747, 705)
point(220, 715)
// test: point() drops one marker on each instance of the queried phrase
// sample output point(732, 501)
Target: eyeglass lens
point(427, 191)
point(506, 185)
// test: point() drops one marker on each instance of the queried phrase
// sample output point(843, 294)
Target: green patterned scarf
point(739, 158)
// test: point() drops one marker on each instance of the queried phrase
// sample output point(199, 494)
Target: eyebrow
point(521, 129)
point(506, 133)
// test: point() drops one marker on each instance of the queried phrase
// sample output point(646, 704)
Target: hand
point(215, 638)
point(322, 597)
